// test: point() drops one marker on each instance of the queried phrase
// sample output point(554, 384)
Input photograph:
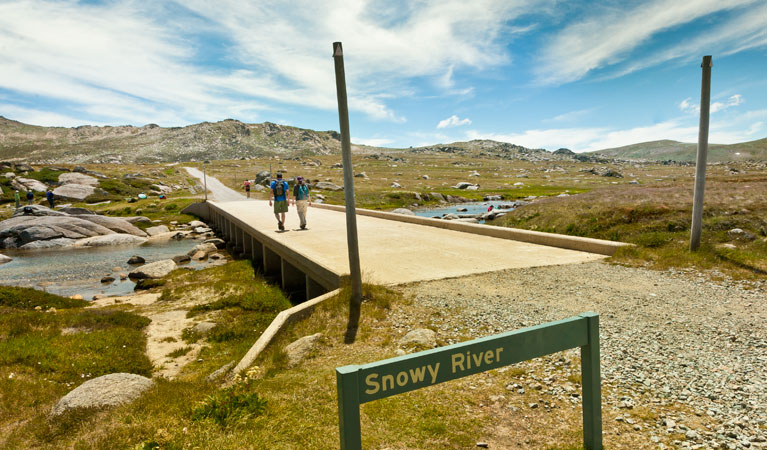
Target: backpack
point(303, 191)
point(279, 188)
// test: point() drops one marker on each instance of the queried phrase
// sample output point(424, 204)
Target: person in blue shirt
point(279, 192)
point(301, 200)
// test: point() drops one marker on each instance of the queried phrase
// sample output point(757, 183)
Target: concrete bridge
point(394, 248)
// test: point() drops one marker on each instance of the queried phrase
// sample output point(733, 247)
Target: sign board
point(358, 384)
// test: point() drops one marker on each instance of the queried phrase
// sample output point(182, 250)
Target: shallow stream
point(72, 271)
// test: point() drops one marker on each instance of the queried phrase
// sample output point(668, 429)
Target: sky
point(579, 74)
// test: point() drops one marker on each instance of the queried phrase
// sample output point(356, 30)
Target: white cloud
point(373, 142)
point(571, 116)
point(687, 106)
point(453, 121)
point(610, 36)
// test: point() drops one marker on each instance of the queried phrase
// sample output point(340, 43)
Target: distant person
point(279, 192)
point(30, 197)
point(246, 185)
point(17, 197)
point(49, 197)
point(301, 200)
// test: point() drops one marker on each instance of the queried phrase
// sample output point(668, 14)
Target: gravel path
point(670, 339)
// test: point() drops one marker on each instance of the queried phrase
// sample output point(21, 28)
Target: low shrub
point(230, 405)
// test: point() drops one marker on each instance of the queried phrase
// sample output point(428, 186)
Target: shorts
point(281, 206)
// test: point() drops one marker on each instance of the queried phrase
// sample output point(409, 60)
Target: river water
point(470, 208)
point(73, 271)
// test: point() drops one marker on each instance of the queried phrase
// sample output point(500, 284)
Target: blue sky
point(547, 74)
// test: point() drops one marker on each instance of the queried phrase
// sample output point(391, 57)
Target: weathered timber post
point(346, 150)
point(700, 164)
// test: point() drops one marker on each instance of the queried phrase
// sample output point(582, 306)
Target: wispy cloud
point(688, 106)
point(453, 121)
point(373, 142)
point(610, 36)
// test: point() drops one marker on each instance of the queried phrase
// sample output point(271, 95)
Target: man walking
point(279, 192)
point(49, 197)
point(301, 199)
point(30, 197)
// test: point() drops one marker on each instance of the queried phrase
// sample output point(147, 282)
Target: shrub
point(230, 405)
point(28, 298)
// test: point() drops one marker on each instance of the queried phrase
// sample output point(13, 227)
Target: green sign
point(358, 384)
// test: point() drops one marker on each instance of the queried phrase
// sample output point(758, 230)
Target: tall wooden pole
point(346, 151)
point(700, 164)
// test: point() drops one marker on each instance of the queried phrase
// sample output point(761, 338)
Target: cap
point(299, 178)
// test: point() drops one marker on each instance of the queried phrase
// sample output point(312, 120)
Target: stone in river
point(155, 270)
point(135, 259)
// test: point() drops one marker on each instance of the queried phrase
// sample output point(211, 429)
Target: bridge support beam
point(272, 262)
point(247, 244)
point(257, 254)
point(313, 289)
point(293, 282)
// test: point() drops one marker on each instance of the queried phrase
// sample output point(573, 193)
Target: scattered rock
point(110, 239)
point(203, 328)
point(404, 211)
point(77, 178)
point(181, 259)
point(328, 186)
point(105, 391)
point(419, 337)
point(221, 372)
point(157, 269)
point(107, 279)
point(74, 191)
point(159, 229)
point(205, 247)
point(219, 243)
point(298, 350)
point(135, 259)
point(5, 259)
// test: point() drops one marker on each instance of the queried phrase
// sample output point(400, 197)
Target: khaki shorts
point(281, 207)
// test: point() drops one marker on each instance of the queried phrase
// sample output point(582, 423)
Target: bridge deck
point(393, 252)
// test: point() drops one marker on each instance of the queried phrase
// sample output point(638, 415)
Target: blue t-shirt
point(283, 197)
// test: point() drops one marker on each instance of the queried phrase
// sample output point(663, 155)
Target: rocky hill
point(228, 139)
point(680, 151)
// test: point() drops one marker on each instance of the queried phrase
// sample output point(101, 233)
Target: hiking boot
point(303, 227)
point(280, 226)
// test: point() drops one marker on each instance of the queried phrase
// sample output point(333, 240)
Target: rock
point(299, 349)
point(473, 187)
point(76, 297)
point(216, 256)
point(205, 247)
point(154, 231)
point(199, 256)
point(741, 235)
point(77, 178)
point(219, 243)
point(111, 239)
point(74, 211)
point(203, 328)
point(467, 220)
point(474, 174)
point(420, 337)
point(37, 210)
point(51, 243)
point(107, 279)
point(404, 211)
point(328, 186)
point(28, 184)
point(181, 259)
point(115, 224)
point(5, 259)
point(74, 191)
point(157, 269)
point(202, 230)
point(135, 259)
point(450, 216)
point(611, 173)
point(396, 185)
point(492, 198)
point(22, 167)
point(361, 175)
point(462, 185)
point(137, 219)
point(20, 230)
point(218, 374)
point(197, 223)
point(425, 177)
point(105, 391)
point(437, 196)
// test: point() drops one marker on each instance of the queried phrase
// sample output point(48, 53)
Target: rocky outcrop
point(111, 239)
point(77, 178)
point(106, 391)
point(328, 186)
point(74, 191)
point(154, 231)
point(28, 184)
point(43, 227)
point(404, 211)
point(156, 269)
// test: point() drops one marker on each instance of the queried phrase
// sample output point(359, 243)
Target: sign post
point(700, 163)
point(346, 151)
point(358, 384)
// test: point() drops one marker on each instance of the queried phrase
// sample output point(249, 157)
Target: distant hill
point(228, 139)
point(681, 151)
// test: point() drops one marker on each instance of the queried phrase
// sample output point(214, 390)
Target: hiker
point(246, 185)
point(301, 199)
point(49, 196)
point(30, 197)
point(17, 197)
point(279, 191)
